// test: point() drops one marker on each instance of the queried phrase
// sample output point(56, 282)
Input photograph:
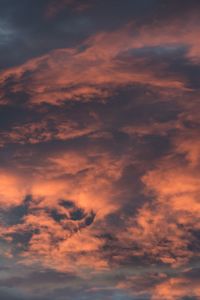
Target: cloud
point(106, 62)
point(165, 228)
point(46, 130)
point(55, 7)
point(58, 223)
point(99, 130)
point(177, 288)
point(12, 189)
point(154, 286)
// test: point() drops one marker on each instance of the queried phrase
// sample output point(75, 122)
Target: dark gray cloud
point(25, 28)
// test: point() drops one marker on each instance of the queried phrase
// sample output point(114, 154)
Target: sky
point(99, 150)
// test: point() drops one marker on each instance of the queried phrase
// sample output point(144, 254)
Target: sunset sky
point(99, 149)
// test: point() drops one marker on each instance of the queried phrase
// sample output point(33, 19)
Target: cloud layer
point(99, 150)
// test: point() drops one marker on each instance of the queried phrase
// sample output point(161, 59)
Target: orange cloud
point(107, 63)
point(161, 129)
point(12, 189)
point(160, 286)
point(70, 195)
point(164, 229)
point(91, 176)
point(161, 230)
point(176, 288)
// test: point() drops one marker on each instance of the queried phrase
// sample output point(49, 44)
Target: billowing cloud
point(166, 229)
point(99, 150)
point(54, 218)
point(107, 61)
